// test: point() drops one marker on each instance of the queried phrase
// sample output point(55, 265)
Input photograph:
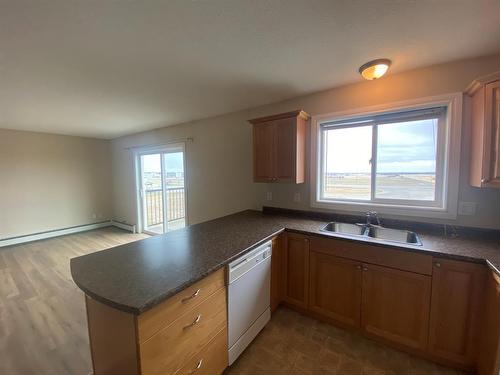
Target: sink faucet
point(372, 218)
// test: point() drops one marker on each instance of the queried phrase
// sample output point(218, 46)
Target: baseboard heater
point(125, 226)
point(64, 231)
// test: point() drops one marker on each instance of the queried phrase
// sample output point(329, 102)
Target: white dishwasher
point(249, 298)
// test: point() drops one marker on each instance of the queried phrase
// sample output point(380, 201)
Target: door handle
point(195, 294)
point(196, 321)
point(198, 366)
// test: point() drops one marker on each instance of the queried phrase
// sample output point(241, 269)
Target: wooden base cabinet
point(277, 276)
point(428, 306)
point(489, 348)
point(186, 334)
point(456, 309)
point(335, 288)
point(296, 267)
point(395, 305)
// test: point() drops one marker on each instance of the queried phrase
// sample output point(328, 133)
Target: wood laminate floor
point(43, 327)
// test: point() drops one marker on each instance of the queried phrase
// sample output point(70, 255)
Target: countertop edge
point(172, 291)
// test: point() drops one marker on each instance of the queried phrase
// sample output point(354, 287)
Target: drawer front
point(170, 348)
point(212, 360)
point(164, 314)
point(368, 253)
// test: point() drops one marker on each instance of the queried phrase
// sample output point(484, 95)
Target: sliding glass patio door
point(162, 198)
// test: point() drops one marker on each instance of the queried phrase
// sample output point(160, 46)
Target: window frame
point(447, 160)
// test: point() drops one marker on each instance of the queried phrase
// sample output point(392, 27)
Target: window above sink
point(401, 159)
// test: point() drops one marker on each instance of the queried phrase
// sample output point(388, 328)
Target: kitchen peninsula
point(141, 296)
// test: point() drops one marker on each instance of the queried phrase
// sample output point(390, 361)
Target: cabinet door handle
point(358, 267)
point(484, 180)
point(437, 264)
point(196, 321)
point(195, 294)
point(198, 366)
point(365, 269)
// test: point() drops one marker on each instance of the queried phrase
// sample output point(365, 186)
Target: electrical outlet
point(467, 208)
point(296, 197)
point(269, 196)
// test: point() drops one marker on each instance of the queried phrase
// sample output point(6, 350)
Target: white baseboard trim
point(53, 233)
point(125, 226)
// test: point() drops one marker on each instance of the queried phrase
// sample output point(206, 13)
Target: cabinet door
point(489, 354)
point(297, 270)
point(457, 296)
point(492, 113)
point(264, 151)
point(335, 288)
point(395, 305)
point(286, 145)
point(277, 276)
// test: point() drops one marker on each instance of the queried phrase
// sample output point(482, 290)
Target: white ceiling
point(106, 68)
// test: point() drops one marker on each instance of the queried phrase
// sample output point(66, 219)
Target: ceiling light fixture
point(374, 69)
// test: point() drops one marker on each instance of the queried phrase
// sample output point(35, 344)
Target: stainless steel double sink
point(373, 232)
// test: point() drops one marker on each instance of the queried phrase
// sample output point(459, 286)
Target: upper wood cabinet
point(456, 306)
point(279, 147)
point(395, 305)
point(296, 262)
point(485, 132)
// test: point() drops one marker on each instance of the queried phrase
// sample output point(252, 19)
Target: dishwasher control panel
point(242, 265)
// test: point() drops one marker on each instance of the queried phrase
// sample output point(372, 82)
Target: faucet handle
point(372, 215)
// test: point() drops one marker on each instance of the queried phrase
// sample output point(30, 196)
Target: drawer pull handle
point(195, 294)
point(198, 366)
point(196, 321)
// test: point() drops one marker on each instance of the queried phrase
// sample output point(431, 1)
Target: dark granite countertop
point(137, 276)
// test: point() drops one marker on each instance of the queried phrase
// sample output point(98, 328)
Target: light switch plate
point(296, 197)
point(467, 208)
point(269, 196)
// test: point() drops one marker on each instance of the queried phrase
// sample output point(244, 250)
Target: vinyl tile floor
point(295, 344)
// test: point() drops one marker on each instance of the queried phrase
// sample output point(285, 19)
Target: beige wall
point(218, 168)
point(219, 159)
point(51, 182)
